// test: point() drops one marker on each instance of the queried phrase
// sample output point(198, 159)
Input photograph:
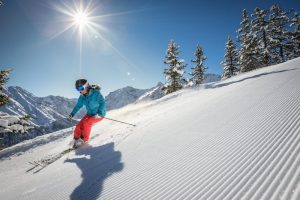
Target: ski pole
point(119, 121)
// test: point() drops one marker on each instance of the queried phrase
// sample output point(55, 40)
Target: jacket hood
point(95, 87)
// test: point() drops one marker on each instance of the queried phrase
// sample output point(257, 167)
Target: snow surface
point(234, 139)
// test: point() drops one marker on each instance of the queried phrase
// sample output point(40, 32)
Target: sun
point(79, 16)
point(81, 19)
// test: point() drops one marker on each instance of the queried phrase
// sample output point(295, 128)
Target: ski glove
point(98, 116)
point(101, 113)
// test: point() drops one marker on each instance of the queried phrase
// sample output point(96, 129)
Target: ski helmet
point(79, 85)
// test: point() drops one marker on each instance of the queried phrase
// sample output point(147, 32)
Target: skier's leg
point(87, 126)
point(79, 127)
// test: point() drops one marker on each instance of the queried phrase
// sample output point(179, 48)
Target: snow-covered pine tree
point(198, 71)
point(260, 29)
point(295, 22)
point(3, 97)
point(249, 55)
point(279, 45)
point(245, 27)
point(231, 59)
point(174, 73)
point(4, 76)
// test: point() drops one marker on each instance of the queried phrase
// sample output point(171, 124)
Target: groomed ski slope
point(234, 139)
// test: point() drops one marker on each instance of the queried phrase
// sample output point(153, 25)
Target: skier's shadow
point(96, 164)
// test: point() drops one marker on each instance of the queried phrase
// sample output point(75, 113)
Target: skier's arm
point(102, 105)
point(78, 106)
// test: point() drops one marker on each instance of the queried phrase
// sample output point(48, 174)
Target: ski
point(39, 165)
point(42, 163)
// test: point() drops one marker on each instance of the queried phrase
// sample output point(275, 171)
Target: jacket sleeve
point(102, 105)
point(77, 106)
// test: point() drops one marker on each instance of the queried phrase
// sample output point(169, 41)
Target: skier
point(94, 102)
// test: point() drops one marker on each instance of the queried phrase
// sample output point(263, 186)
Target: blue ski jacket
point(93, 101)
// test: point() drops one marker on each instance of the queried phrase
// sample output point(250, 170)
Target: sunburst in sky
point(80, 16)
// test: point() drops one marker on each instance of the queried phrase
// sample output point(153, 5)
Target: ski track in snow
point(236, 139)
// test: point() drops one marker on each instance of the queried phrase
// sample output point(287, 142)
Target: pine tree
point(3, 98)
point(260, 29)
point(26, 117)
point(279, 45)
point(231, 59)
point(249, 54)
point(295, 35)
point(198, 71)
point(244, 27)
point(174, 73)
point(3, 79)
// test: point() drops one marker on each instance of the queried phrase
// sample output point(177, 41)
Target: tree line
point(266, 37)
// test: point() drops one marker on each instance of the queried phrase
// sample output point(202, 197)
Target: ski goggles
point(80, 88)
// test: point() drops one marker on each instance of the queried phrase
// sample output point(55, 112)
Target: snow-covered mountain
point(212, 78)
point(152, 94)
point(128, 95)
point(45, 111)
point(47, 114)
point(234, 139)
point(123, 96)
point(42, 110)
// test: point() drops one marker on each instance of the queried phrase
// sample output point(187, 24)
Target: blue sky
point(136, 33)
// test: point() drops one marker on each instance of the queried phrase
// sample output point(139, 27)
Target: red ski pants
point(84, 127)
